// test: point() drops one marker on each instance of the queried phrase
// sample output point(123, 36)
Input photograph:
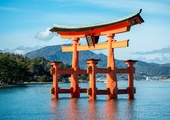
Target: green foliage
point(12, 71)
point(84, 77)
point(16, 69)
point(64, 77)
point(39, 68)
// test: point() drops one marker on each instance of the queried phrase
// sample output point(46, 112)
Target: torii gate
point(92, 33)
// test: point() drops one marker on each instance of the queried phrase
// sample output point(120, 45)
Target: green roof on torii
point(134, 18)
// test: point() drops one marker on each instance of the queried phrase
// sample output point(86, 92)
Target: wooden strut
point(92, 70)
point(118, 44)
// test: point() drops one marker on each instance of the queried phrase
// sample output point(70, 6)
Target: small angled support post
point(92, 70)
point(131, 71)
point(54, 72)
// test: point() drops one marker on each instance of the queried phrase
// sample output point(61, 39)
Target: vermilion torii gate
point(92, 34)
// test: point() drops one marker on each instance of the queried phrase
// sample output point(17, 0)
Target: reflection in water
point(74, 111)
point(82, 108)
point(102, 109)
point(130, 110)
point(125, 109)
point(65, 109)
point(54, 105)
point(32, 102)
point(110, 110)
point(92, 110)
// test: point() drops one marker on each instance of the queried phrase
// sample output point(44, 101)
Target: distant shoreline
point(38, 82)
point(33, 83)
point(12, 85)
point(23, 84)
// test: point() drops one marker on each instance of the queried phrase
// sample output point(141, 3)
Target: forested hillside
point(16, 69)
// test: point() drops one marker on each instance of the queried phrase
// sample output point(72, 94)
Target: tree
point(15, 68)
point(64, 77)
point(11, 71)
point(40, 69)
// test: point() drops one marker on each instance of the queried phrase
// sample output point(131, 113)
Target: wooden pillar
point(111, 77)
point(131, 88)
point(54, 71)
point(74, 76)
point(92, 90)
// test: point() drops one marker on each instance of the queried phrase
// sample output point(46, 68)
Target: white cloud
point(155, 58)
point(19, 51)
point(45, 35)
point(163, 51)
point(157, 55)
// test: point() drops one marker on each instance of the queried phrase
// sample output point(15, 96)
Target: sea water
point(33, 102)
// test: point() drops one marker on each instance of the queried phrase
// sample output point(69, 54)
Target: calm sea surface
point(33, 102)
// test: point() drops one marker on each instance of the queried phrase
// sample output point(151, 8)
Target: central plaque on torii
point(92, 34)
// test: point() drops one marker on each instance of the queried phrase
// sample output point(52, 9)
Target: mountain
point(143, 69)
point(54, 53)
point(22, 49)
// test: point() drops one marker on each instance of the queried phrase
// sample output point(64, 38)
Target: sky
point(26, 23)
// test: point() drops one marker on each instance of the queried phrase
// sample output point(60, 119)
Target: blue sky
point(27, 23)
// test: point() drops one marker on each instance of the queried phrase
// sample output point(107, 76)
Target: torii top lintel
point(112, 27)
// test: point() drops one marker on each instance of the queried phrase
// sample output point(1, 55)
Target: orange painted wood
point(82, 71)
point(71, 71)
point(74, 76)
point(65, 91)
point(131, 89)
point(122, 71)
point(92, 78)
point(114, 29)
point(55, 79)
point(61, 71)
point(122, 91)
point(83, 90)
point(68, 35)
point(103, 92)
point(111, 77)
point(103, 70)
point(109, 29)
point(117, 44)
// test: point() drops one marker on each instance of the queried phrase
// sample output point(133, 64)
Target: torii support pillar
point(92, 70)
point(111, 76)
point(54, 71)
point(74, 76)
point(131, 71)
